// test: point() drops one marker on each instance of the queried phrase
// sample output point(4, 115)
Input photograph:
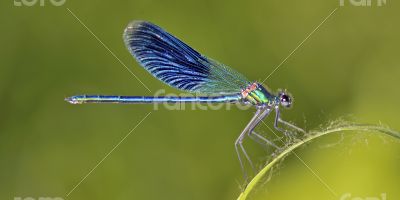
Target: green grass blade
point(259, 177)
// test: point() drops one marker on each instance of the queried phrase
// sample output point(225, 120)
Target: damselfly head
point(285, 99)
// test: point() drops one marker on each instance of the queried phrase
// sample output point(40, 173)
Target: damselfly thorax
point(257, 95)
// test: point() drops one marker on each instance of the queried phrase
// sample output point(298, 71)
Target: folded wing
point(178, 65)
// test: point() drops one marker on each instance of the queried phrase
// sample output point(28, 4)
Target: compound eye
point(286, 101)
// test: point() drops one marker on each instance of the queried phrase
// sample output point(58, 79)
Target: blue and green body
point(80, 99)
point(258, 96)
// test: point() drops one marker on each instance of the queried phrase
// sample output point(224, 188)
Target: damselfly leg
point(262, 140)
point(257, 137)
point(239, 144)
point(260, 114)
point(278, 120)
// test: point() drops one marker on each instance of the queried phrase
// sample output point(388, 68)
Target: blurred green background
point(349, 67)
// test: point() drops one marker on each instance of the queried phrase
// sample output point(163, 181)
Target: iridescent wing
point(178, 65)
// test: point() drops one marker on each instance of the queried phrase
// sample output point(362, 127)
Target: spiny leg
point(257, 137)
point(247, 156)
point(240, 160)
point(263, 115)
point(264, 111)
point(239, 143)
point(291, 125)
point(277, 117)
point(284, 131)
